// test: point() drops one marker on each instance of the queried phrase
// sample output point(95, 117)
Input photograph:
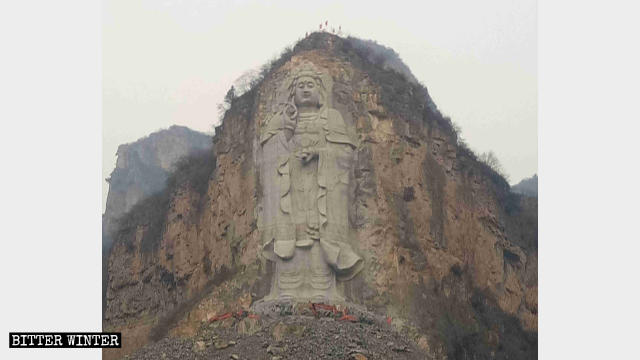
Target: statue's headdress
point(307, 69)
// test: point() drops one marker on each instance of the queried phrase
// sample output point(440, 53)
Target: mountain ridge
point(451, 252)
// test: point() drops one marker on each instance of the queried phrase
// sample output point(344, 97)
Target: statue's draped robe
point(298, 204)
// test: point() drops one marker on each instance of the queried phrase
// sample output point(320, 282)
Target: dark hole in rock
point(456, 270)
point(510, 256)
point(408, 194)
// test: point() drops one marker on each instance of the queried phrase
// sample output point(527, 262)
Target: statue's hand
point(288, 123)
point(313, 232)
point(307, 155)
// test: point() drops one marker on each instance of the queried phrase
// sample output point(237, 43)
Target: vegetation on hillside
point(192, 172)
point(468, 322)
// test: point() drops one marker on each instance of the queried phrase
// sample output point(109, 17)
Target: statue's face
point(306, 92)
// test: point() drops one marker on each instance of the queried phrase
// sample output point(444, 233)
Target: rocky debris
point(199, 346)
point(221, 344)
point(167, 348)
point(289, 337)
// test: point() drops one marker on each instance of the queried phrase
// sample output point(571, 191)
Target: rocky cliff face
point(142, 169)
point(450, 253)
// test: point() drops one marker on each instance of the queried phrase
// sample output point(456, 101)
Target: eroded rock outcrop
point(142, 167)
point(448, 252)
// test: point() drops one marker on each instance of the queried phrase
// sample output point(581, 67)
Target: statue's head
point(307, 88)
point(306, 92)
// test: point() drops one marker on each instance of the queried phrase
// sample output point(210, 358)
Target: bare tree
point(226, 104)
point(491, 160)
point(459, 138)
point(246, 81)
point(231, 94)
point(222, 109)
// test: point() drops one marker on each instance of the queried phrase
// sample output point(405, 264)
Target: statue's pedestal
point(277, 308)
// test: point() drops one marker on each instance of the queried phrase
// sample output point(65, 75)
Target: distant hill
point(527, 186)
point(142, 166)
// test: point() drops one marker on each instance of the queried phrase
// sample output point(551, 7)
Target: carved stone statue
point(305, 170)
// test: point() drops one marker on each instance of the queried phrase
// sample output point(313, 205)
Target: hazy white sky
point(171, 62)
